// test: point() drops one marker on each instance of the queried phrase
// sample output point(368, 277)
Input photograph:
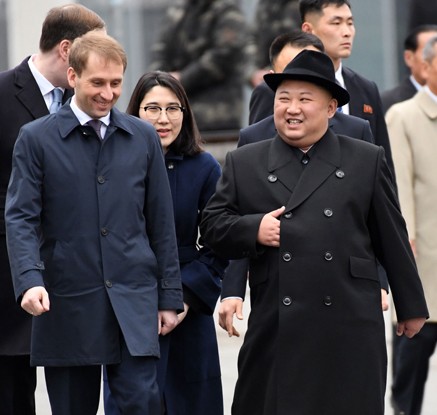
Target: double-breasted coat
point(315, 341)
point(193, 378)
point(92, 221)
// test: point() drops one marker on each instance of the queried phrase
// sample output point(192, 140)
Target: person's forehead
point(298, 85)
point(332, 11)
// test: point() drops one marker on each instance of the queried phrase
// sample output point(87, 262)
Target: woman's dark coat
point(193, 379)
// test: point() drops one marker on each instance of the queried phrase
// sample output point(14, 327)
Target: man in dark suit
point(332, 21)
point(290, 204)
point(27, 94)
point(413, 48)
point(91, 240)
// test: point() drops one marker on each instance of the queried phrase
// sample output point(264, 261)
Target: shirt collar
point(84, 117)
point(415, 83)
point(44, 85)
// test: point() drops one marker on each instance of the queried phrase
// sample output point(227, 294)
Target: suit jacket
point(315, 300)
point(21, 103)
point(405, 90)
point(234, 281)
point(365, 102)
point(412, 126)
point(92, 221)
point(261, 103)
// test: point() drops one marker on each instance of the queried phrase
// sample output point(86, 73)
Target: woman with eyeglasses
point(188, 370)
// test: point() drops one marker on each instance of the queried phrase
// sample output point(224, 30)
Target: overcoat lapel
point(324, 162)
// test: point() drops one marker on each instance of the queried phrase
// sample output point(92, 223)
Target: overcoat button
point(170, 166)
point(287, 301)
point(104, 232)
point(327, 300)
point(100, 179)
point(328, 256)
point(272, 178)
point(328, 212)
point(286, 257)
point(339, 174)
point(108, 283)
point(288, 215)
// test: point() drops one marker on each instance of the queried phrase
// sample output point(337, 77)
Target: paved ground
point(229, 348)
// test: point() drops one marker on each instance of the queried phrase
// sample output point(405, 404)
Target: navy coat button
point(305, 160)
point(104, 232)
point(327, 300)
point(39, 265)
point(272, 178)
point(288, 215)
point(287, 257)
point(339, 174)
point(108, 283)
point(328, 212)
point(287, 301)
point(328, 256)
point(170, 165)
point(100, 179)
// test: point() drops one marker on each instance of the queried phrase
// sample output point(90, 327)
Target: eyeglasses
point(154, 111)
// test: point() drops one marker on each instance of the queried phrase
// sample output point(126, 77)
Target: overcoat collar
point(427, 104)
point(324, 162)
point(67, 122)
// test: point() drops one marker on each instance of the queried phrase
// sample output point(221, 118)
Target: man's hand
point(269, 228)
point(36, 301)
point(384, 300)
point(410, 327)
point(229, 307)
point(167, 321)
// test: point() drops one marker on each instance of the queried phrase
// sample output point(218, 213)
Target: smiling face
point(98, 87)
point(335, 28)
point(168, 129)
point(301, 112)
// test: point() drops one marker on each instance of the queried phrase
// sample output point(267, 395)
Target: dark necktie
point(96, 124)
point(57, 100)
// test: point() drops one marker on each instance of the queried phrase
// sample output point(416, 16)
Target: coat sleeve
point(230, 234)
point(390, 241)
point(403, 162)
point(202, 276)
point(22, 214)
point(158, 211)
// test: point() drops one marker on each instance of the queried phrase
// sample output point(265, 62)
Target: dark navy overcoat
point(92, 221)
point(193, 380)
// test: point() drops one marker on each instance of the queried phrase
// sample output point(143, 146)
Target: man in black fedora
point(313, 211)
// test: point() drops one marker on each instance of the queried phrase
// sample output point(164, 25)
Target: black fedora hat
point(314, 67)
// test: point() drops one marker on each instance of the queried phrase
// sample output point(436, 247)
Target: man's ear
point(408, 57)
point(332, 107)
point(307, 27)
point(64, 49)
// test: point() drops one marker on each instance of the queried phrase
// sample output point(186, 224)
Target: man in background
point(413, 48)
point(412, 125)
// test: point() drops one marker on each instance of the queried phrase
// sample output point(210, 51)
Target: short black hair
point(411, 42)
point(295, 38)
point(316, 6)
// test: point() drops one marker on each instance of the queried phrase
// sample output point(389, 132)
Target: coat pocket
point(363, 268)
